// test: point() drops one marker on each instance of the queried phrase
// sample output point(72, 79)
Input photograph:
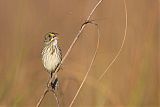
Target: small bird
point(51, 56)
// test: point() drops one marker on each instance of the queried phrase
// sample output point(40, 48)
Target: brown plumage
point(51, 55)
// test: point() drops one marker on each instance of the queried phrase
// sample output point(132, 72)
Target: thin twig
point(69, 49)
point(42, 97)
point(74, 41)
point(94, 9)
point(124, 38)
point(58, 104)
point(89, 69)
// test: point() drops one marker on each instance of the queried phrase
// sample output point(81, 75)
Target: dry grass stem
point(42, 97)
point(68, 51)
point(44, 94)
point(57, 100)
point(89, 69)
point(75, 39)
point(124, 38)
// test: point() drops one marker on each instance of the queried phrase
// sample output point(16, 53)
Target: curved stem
point(89, 69)
point(68, 51)
point(124, 38)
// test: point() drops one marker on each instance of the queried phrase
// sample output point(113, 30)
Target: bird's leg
point(51, 74)
point(49, 85)
point(54, 83)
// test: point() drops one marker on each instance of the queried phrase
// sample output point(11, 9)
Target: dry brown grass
point(134, 78)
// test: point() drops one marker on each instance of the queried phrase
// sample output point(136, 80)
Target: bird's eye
point(49, 36)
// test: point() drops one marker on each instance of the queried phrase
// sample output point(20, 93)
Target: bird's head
point(51, 38)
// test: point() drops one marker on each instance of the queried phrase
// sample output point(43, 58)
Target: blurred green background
point(132, 81)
